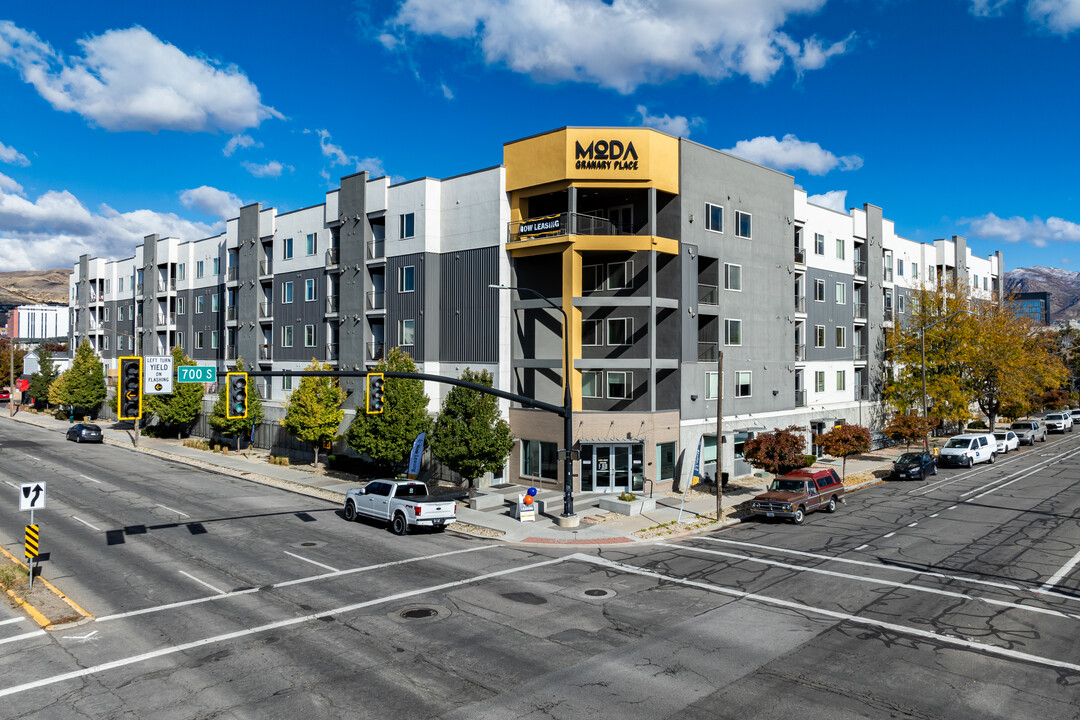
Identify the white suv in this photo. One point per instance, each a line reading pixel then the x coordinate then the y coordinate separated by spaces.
pixel 1058 422
pixel 966 450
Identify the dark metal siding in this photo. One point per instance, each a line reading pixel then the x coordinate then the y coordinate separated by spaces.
pixel 468 309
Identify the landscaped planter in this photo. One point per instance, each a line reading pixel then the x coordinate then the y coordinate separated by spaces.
pixel 627 507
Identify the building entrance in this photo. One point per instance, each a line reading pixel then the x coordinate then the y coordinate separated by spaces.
pixel 612 468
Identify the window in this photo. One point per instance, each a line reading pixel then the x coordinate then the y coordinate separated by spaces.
pixel 309 290
pixel 200 268
pixel 841 293
pixel 180 339
pixel 105 342
pixel 732 332
pixel 286 336
pixel 819 336
pixel 108 286
pixel 217 266
pixel 286 249
pixel 915 271
pixel 407 332
pixel 286 292
pixel 312 244
pixel 841 336
pixel 840 249
pixel 900 303
pixel 819 291
pixel 286 383
pixel 120 343
pixel 179 272
pixel 119 313
pixel 309 336
pixel 540 459
pixel 179 306
pixel 619 275
pixel 899 267
pixel 665 461
pixel 590 383
pixel 200 304
pixel 592 278
pixel 976 283
pixel 214 302
pixel 105 314
pixel 732 277
pixel 742 224
pixel 213 339
pixel 119 283
pixel 406 279
pixel 590 332
pixel 618 385
pixel 986 284
pixel 406 225
pixel 714 217
pixel 819 244
pixel 619 331
pixel 819 381
pixel 743 383
pixel 841 379
pixel 199 340
pixel 712 385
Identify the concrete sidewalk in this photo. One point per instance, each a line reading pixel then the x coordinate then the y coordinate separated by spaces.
pixel 674 514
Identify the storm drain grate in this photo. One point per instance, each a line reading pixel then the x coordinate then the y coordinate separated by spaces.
pixel 418 613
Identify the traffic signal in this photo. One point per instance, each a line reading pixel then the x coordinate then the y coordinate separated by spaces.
pixel 238 407
pixel 376 395
pixel 129 394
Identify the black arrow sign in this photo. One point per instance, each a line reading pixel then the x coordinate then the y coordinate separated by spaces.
pixel 37 493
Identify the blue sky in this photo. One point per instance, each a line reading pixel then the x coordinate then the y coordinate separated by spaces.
pixel 121 119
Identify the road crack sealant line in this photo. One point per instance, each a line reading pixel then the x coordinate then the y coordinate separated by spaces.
pixel 34 613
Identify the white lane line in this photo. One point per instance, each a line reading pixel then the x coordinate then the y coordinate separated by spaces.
pixel 134 659
pixel 85 523
pixel 864 578
pixel 935 514
pixel 90 479
pixel 862 546
pixel 845 617
pixel 172 511
pixel 313 578
pixel 1065 570
pixel 319 564
pixel 11 484
pixel 32 457
pixel 912 524
pixel 219 591
pixel 12 620
pixel 889 535
pixel 15 638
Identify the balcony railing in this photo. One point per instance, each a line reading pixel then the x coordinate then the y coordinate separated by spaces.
pixel 232 273
pixel 800 304
pixel 230 312
pixel 266 267
pixel 266 352
pixel 862 392
pixel 376 249
pixel 375 351
pixel 860 268
pixel 332 256
pixel 887 274
pixel 800 351
pixel 266 310
pixel 331 304
pixel 376 300
pixel 860 311
pixel 563 224
pixel 861 353
pixel 230 352
pixel 708 351
pixel 708 294
pixel 139 289
pixel 800 398
pixel 800 256
pixel 887 315
pixel 331 351
pixel 165 319
pixel 263 388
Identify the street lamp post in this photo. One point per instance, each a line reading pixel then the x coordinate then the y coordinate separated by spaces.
pixel 568 408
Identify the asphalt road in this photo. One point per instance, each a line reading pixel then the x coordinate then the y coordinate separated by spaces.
pixel 957 597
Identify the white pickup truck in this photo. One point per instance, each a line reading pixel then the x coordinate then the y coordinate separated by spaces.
pixel 401 503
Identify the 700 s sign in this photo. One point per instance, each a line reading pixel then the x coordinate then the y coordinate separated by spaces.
pixel 196 374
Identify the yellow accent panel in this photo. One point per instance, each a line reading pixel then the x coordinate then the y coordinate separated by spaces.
pixel 582 243
pixel 595 155
pixel 572 288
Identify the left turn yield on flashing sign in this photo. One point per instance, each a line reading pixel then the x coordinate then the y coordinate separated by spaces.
pixel 32 496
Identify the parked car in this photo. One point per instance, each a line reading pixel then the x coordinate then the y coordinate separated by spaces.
pixel 1058 422
pixel 1006 441
pixel 401 503
pixel 85 432
pixel 5 395
pixel 1028 431
pixel 915 466
pixel 800 492
pixel 1075 414
pixel 967 450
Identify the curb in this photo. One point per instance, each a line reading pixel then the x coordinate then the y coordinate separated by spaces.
pixel 38 617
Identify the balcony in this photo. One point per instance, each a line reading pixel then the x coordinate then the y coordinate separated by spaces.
pixel 332 305
pixel 375 351
pixel 800 256
pixel 708 351
pixel 376 300
pixel 860 311
pixel 800 398
pixel 887 315
pixel 231 274
pixel 800 305
pixel 165 319
pixel 230 352
pixel 266 310
pixel 800 352
pixel 887 274
pixel 860 268
pixel 861 353
pixel 376 249
pixel 266 353
pixel 332 257
pixel 263 388
pixel 562 224
pixel 708 294
pixel 331 352
pixel 230 312
pixel 139 289
pixel 266 267
pixel 862 392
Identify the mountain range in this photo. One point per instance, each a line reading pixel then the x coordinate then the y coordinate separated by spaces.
pixel 33 287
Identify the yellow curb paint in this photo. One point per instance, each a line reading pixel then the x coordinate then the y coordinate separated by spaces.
pixel 38 617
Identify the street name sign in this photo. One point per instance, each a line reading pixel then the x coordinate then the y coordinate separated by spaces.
pixel 32 496
pixel 196 374
pixel 157 375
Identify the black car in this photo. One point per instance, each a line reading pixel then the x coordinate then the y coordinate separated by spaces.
pixel 914 466
pixel 85 432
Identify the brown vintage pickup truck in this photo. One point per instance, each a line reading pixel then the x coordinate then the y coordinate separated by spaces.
pixel 800 492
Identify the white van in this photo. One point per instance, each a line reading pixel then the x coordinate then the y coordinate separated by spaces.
pixel 966 450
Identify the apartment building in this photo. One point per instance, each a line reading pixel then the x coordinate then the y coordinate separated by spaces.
pixel 37 322
pixel 663 254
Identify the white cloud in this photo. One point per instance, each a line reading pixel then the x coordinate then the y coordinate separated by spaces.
pixel 833 200
pixel 679 125
pixel 988 8
pixel 791 153
pixel 622 44
pixel 9 185
pixel 239 141
pixel 270 169
pixel 337 156
pixel 131 80
pixel 1057 16
pixel 446 91
pixel 11 156
pixel 53 230
pixel 1036 231
pixel 212 201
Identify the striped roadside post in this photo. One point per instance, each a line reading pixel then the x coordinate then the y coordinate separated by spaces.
pixel 30 541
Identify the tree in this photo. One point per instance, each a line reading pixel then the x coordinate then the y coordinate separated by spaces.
pixel 470 436
pixel 313 411
pixel 845 440
pixel 5 362
pixel 83 385
pixel 388 436
pixel 777 452
pixel 42 380
pixel 182 406
pixel 236 427
pixel 908 428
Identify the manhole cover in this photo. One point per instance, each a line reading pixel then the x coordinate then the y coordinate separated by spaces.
pixel 418 613
pixel 309 544
pixel 595 593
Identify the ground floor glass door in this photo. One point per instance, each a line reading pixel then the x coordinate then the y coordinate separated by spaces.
pixel 612 468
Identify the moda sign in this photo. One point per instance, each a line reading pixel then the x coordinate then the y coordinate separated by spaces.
pixel 605 155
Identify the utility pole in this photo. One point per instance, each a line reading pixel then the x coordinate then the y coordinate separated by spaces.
pixel 11 378
pixel 135 332
pixel 720 438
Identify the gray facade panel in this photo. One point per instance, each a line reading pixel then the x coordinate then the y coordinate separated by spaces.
pixel 248 290
pixel 402 305
pixel 830 314
pixel 298 314
pixel 468 328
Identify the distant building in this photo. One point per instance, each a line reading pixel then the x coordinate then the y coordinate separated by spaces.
pixel 38 322
pixel 1034 305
